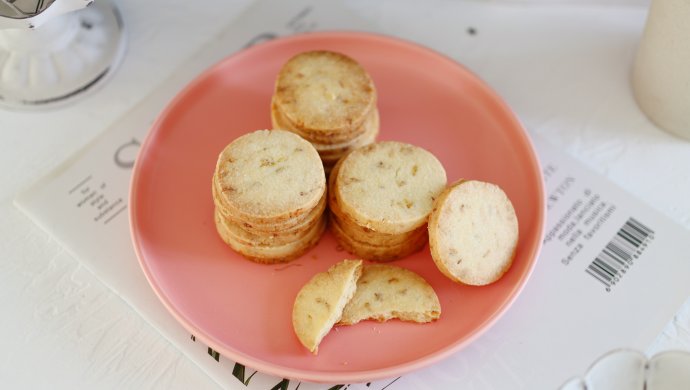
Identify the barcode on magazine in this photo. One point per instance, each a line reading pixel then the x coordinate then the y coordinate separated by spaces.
pixel 620 253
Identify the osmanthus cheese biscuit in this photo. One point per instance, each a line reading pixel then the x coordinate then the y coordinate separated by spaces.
pixel 320 302
pixel 324 94
pixel 473 232
pixel 389 186
pixel 385 292
pixel 269 176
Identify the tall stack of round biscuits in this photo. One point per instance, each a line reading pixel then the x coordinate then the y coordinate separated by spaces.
pixel 269 190
pixel 328 99
pixel 380 197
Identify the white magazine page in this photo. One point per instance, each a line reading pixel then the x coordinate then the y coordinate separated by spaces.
pixel 606 258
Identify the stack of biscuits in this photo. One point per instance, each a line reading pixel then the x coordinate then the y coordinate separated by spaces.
pixel 269 191
pixel 328 99
pixel 380 198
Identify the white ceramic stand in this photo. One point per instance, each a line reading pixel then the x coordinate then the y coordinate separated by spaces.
pixel 60 59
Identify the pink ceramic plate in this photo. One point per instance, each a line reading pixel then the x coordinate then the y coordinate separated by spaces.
pixel 243 309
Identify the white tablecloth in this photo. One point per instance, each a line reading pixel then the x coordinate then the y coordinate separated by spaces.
pixel 61 328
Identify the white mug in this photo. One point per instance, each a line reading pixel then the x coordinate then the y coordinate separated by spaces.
pixel 661 72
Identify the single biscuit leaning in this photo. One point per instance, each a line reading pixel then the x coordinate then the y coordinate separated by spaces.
pixel 324 92
pixel 320 302
pixel 269 177
pixel 473 232
pixel 385 292
pixel 389 186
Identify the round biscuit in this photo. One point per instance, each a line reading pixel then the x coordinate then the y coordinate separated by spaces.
pixel 324 91
pixel 389 186
pixel 269 176
pixel 473 232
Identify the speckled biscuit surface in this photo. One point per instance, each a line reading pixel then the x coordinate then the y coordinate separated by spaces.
pixel 364 234
pixel 473 232
pixel 324 91
pixel 268 176
pixel 385 292
pixel 389 186
pixel 320 302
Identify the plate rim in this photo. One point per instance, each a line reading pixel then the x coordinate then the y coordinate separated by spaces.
pixel 324 376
